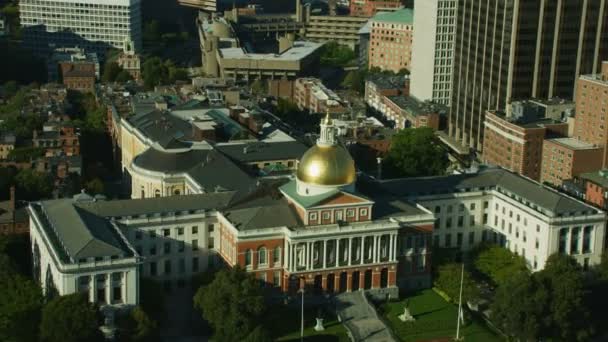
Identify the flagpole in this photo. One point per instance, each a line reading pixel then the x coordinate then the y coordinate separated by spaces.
pixel 460 304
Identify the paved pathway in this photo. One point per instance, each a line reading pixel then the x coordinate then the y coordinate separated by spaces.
pixel 361 318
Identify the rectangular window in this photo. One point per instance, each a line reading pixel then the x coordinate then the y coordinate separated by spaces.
pixel 181 265
pixel 350 213
pixel 437 223
pixel 472 220
pixel 153 268
pixel 167 248
pixel 471 238
pixel 152 234
pixel 153 250
pixel 449 209
pixel 210 244
pixel 485 204
pixel 459 239
pixel 574 240
pixel 448 240
pixel 563 238
pixel 181 246
pixel 437 209
pixel 587 239
pixel 211 228
pixel 448 222
pixel 472 206
pixel 194 230
pixel 485 218
pixel 276 279
pixel 195 264
pixel 195 245
pixel 166 232
pixel 180 230
pixel 326 215
pixel 167 266
pixel 460 221
pixel 461 207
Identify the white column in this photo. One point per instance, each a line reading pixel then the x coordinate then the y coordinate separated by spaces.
pixel 123 287
pixel 375 249
pixel 109 288
pixel 350 247
pixel 286 256
pixel 337 254
pixel 390 247
pixel 324 253
pixel 92 289
pixel 396 247
pixel 362 254
pixel 568 241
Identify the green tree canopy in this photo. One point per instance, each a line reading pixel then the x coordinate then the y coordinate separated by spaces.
pixel 337 55
pixel 520 307
pixel 355 81
pixel 569 316
pixel 499 264
pixel 70 319
pixel 123 77
pixel 26 154
pixel 110 71
pixel 33 185
pixel 20 305
pixel 232 304
pixel 415 152
pixel 448 281
pixel 138 326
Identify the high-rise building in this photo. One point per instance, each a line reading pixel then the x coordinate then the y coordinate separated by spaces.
pixel 432 50
pixel 390 46
pixel 511 49
pixel 592 110
pixel 90 24
pixel 369 8
pixel 203 5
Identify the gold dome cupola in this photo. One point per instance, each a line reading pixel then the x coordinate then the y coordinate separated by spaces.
pixel 325 166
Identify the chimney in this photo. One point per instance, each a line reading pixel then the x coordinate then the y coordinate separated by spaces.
pixel 12 201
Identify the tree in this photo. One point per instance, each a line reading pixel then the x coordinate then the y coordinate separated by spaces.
pixel 232 304
pixel 154 72
pixel 138 326
pixel 95 186
pixel 20 305
pixel 111 71
pixel 499 264
pixel 448 281
pixel 152 299
pixel 258 87
pixel 415 152
pixel 520 306
pixel 26 154
pixel 355 81
pixel 123 77
pixel 569 316
pixel 34 185
pixel 70 319
pixel 336 55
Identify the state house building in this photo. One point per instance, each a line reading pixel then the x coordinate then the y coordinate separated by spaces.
pixel 322 229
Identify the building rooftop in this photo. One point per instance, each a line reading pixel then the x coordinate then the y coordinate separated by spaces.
pixel 402 16
pixel 417 107
pixel 262 151
pixel 598 177
pixel 299 51
pixel 525 190
pixel 573 144
pixel 382 81
pixel 526 122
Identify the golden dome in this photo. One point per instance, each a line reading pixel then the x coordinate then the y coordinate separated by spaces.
pixel 327 165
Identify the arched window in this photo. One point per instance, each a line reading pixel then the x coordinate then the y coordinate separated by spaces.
pixel 176 192
pixel 276 255
pixel 143 192
pixel 262 256
pixel 156 193
pixel 248 254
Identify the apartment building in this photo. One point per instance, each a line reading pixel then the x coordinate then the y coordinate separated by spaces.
pixel 565 158
pixel 516 142
pixel 94 25
pixel 433 50
pixel 312 95
pixel 369 8
pixel 390 46
pixel 512 50
pixel 592 110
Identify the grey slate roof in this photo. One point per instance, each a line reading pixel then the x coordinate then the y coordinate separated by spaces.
pixel 526 189
pixel 162 127
pixel 77 233
pixel 171 204
pixel 262 151
pixel 262 209
pixel 210 169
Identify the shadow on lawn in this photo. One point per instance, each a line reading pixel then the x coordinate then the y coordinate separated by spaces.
pixel 316 338
pixel 417 316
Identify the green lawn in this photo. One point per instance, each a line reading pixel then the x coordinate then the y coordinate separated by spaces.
pixel 435 319
pixel 284 325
